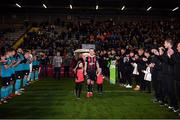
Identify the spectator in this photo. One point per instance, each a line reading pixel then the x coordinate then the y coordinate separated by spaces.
pixel 57 61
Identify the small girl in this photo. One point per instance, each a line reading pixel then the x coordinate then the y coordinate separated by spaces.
pixel 99 81
pixel 79 73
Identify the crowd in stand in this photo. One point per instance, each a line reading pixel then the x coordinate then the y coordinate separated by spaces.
pixel 147 54
pixel 105 35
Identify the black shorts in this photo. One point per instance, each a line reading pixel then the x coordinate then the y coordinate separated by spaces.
pixel 5 81
pixel 26 72
pixel 79 83
pixel 13 77
pixel 35 67
pixel 19 74
pixel 91 75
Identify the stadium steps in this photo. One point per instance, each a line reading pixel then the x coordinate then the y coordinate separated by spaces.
pixel 12 37
pixel 20 40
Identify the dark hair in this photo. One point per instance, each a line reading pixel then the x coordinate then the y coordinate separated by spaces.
pixel 141 49
pixel 162 48
pixel 169 40
pixel 177 43
pixel 147 51
pixel 92 49
pixel 131 51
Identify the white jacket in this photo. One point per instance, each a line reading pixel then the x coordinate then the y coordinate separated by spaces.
pixel 148 75
pixel 135 71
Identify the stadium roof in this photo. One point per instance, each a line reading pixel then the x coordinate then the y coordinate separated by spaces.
pixel 129 6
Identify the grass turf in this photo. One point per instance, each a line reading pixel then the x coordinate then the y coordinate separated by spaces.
pixel 51 98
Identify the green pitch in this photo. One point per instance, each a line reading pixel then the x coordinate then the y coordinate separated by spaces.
pixel 51 98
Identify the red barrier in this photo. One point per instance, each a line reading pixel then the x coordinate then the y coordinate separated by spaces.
pixel 51 71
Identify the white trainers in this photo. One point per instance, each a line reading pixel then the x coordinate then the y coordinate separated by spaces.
pixel 170 107
pixel 22 89
pixel 125 85
pixel 175 110
pixel 17 93
pixel 128 86
pixel 4 101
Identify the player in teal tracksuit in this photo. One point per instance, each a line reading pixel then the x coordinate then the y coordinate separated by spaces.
pixel 26 69
pixel 12 72
pixel 13 77
pixel 35 66
pixel 19 71
pixel 6 76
